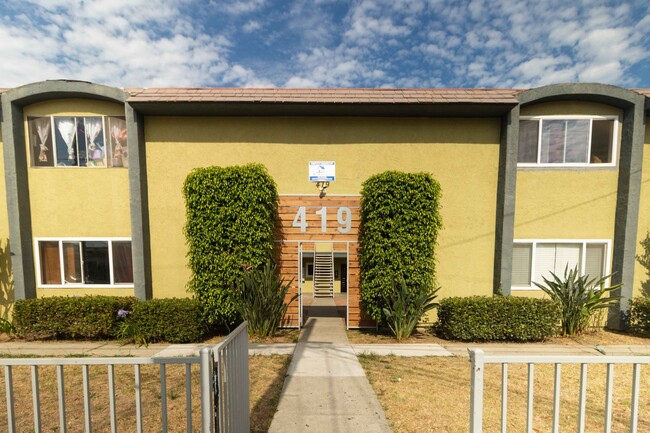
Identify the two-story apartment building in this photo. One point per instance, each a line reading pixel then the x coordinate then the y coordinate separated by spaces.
pixel 532 180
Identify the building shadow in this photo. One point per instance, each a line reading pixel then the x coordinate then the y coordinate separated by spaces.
pixel 6 281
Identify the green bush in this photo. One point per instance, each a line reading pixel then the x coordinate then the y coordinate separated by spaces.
pixel 262 299
pixel 400 221
pixel 231 214
pixel 640 315
pixel 500 318
pixel 172 320
pixel 404 308
pixel 579 297
pixel 62 317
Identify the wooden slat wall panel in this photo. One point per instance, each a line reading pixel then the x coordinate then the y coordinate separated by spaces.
pixel 289 237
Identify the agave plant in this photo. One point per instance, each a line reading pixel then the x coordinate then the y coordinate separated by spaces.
pixel 262 296
pixel 404 308
pixel 579 297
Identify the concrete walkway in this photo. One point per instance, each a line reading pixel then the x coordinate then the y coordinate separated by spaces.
pixel 326 389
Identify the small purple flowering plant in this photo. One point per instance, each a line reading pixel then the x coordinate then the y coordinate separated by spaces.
pixel 128 330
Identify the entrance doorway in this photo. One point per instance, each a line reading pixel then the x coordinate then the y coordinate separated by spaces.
pixel 323 279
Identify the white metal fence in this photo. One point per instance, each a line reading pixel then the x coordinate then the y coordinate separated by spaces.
pixel 479 360
pixel 224 391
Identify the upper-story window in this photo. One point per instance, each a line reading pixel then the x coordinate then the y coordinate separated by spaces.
pixel 77 141
pixel 568 141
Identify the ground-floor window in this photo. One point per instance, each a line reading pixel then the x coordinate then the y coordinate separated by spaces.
pixel 84 262
pixel 532 260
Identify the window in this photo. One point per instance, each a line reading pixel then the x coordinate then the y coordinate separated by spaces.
pixel 534 260
pixel 579 141
pixel 84 262
pixel 77 141
pixel 309 270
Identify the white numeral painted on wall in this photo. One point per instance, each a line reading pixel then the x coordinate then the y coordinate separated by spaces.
pixel 323 218
pixel 300 220
pixel 344 218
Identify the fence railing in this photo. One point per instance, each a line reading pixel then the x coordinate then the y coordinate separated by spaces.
pixel 227 361
pixel 479 360
pixel 231 363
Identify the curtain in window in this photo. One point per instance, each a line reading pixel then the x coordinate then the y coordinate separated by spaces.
pixel 122 262
pixel 594 261
pixel 50 263
pixel 95 149
pixel 72 262
pixel 554 258
pixel 522 255
pixel 66 127
pixel 43 130
pixel 552 146
pixel 577 141
pixel 118 142
pixel 528 138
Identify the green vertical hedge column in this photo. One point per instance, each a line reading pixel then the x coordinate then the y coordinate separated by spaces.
pixel 400 221
pixel 231 215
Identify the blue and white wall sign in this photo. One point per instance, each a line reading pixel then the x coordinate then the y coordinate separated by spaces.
pixel 322 171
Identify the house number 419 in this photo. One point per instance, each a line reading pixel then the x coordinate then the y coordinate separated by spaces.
pixel 343 217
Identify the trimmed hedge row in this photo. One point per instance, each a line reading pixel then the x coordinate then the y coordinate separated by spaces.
pixel 499 318
pixel 172 320
pixel 640 315
pixel 96 318
pixel 62 317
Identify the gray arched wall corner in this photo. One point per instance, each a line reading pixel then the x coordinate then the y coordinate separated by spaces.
pixel 633 106
pixel 16 164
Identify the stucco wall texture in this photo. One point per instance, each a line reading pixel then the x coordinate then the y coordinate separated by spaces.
pixel 360 147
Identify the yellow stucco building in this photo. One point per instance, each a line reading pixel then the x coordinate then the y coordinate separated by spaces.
pixel 532 181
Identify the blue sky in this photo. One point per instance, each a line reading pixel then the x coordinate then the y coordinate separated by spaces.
pixel 326 43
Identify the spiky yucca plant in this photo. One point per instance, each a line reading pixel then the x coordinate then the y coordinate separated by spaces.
pixel 579 297
pixel 403 309
pixel 262 299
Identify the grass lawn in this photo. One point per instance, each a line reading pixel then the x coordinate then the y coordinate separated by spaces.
pixel 431 394
pixel 267 375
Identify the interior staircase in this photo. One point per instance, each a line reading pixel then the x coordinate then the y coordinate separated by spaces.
pixel 324 274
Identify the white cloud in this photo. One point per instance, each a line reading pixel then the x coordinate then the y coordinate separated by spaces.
pixel 310 43
pixel 252 26
pixel 239 7
pixel 134 43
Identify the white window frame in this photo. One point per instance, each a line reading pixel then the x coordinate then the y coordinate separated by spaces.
pixel 583 260
pixel 105 135
pixel 112 285
pixel 615 142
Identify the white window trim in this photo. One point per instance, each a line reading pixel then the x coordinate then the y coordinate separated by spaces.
pixel 584 242
pixel 60 240
pixel 106 137
pixel 615 141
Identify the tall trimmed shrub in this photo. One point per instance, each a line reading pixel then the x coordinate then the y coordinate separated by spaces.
pixel 400 221
pixel 499 318
pixel 230 224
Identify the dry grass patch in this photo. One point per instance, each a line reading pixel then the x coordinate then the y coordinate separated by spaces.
pixel 266 379
pixel 267 374
pixel 432 395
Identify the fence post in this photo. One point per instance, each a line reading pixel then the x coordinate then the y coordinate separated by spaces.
pixel 206 391
pixel 476 391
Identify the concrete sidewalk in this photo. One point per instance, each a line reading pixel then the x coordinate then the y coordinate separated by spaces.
pixel 112 348
pixel 326 389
